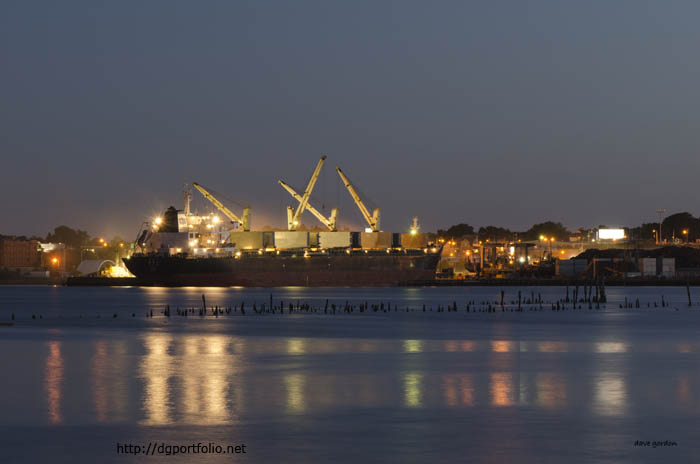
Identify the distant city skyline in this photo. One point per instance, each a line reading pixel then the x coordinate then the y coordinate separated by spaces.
pixel 508 113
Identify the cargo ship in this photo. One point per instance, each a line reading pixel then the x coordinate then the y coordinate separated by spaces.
pixel 181 248
pixel 288 268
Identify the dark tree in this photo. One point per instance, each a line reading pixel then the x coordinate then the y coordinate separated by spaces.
pixel 675 224
pixel 548 229
pixel 68 236
pixel 495 234
pixel 456 231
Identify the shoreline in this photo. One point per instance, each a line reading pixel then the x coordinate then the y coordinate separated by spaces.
pixel 134 282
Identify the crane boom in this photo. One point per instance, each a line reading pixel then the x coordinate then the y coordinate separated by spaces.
pixel 328 222
pixel 294 222
pixel 245 222
pixel 373 220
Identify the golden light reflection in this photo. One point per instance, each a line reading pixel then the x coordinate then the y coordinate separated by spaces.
pixel 157 367
pixel 412 346
pixel 552 347
pixel 684 348
pixel 611 347
pixel 412 386
pixel 610 394
pixel 205 370
pixel 502 346
pixel 468 346
pixel 502 393
pixel 551 389
pixel 100 370
pixel 459 389
pixel 296 346
pixel 451 346
pixel 54 381
pixel 294 384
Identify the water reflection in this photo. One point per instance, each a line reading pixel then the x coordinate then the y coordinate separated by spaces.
pixel 54 381
pixel 611 347
pixel 100 371
pixel 684 390
pixel 296 346
pixel 684 348
pixel 551 389
pixel 552 347
pixel 502 346
pixel 157 368
pixel 205 372
pixel 294 384
pixel 191 380
pixel 412 346
pixel 459 389
pixel 610 394
pixel 501 391
pixel 413 389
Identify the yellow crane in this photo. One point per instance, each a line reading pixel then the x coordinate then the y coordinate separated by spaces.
pixel 294 217
pixel 330 222
pixel 373 220
pixel 244 222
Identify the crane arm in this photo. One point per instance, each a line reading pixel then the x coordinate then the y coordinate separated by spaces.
pixel 303 202
pixel 371 220
pixel 220 206
pixel 330 223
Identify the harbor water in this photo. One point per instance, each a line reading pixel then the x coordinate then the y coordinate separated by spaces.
pixel 414 377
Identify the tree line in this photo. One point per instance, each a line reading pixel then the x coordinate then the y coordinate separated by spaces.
pixel 682 226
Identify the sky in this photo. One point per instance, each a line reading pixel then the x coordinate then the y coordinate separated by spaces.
pixel 486 112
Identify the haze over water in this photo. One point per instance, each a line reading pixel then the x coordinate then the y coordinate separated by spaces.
pixel 534 387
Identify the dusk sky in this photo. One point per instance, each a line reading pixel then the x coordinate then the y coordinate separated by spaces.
pixel 495 112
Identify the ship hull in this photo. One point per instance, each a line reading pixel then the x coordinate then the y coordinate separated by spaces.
pixel 270 270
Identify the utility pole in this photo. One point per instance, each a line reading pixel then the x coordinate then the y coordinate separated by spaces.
pixel 660 212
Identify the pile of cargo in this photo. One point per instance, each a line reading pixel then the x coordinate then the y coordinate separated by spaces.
pixel 283 240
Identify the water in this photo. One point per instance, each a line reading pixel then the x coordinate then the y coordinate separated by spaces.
pixel 532 386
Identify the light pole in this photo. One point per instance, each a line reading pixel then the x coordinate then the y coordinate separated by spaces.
pixel 660 212
pixel 685 232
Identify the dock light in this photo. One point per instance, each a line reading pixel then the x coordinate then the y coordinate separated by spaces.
pixel 104 244
pixel 101 240
pixel 158 220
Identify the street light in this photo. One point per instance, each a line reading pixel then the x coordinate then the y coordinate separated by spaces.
pixel 685 232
